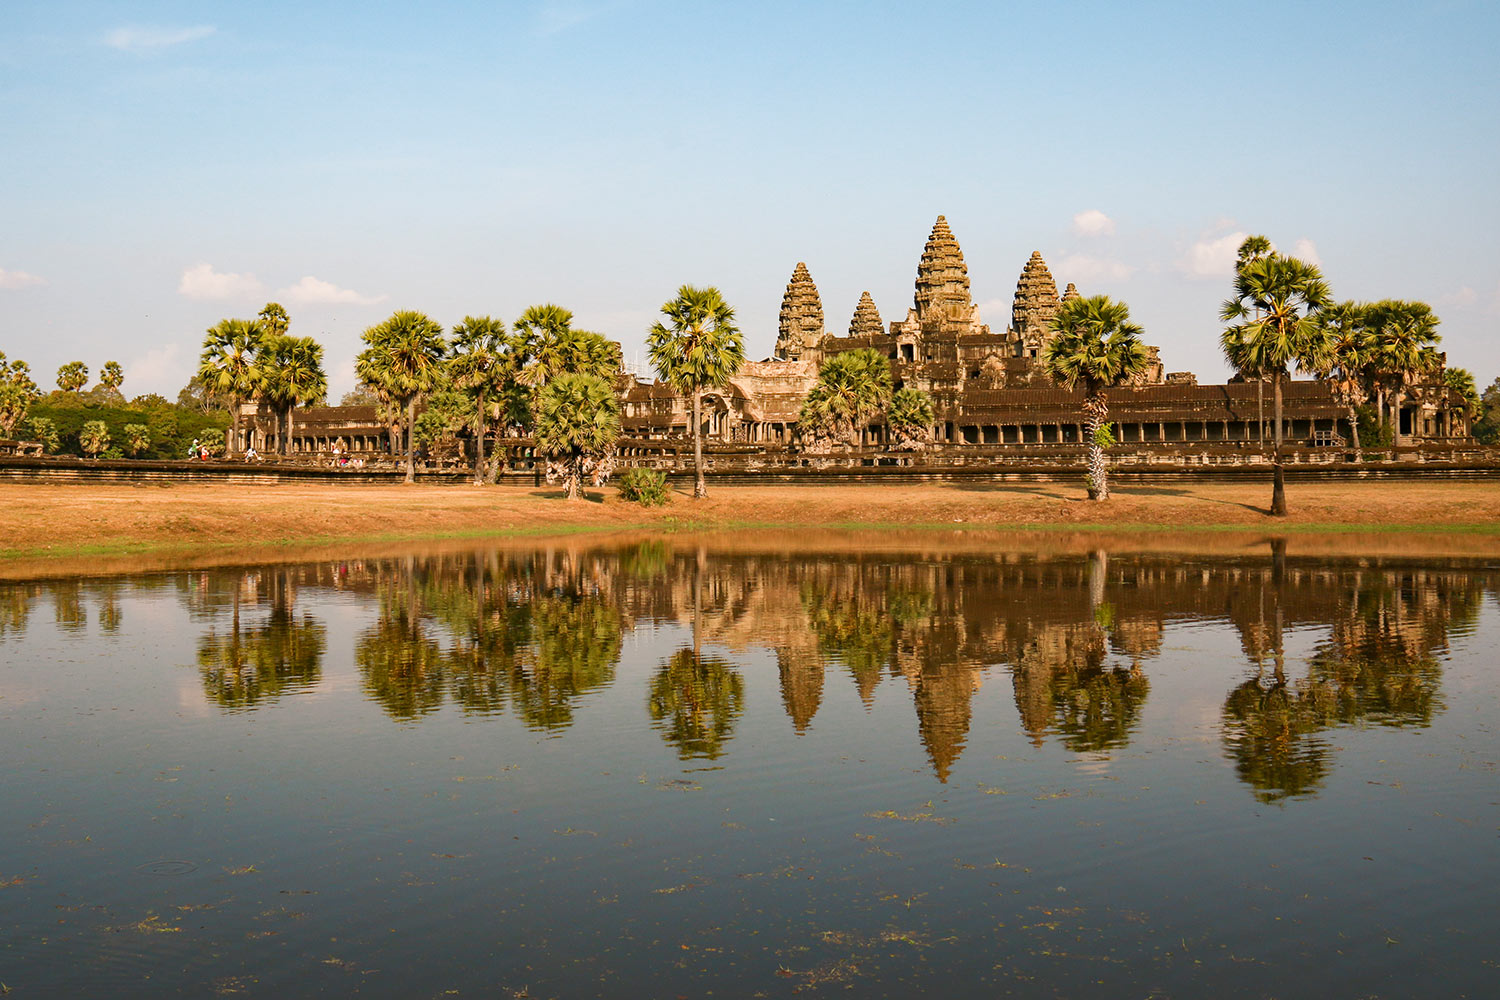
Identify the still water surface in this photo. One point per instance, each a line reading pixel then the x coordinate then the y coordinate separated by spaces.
pixel 666 770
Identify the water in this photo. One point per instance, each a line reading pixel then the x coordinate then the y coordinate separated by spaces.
pixel 667 769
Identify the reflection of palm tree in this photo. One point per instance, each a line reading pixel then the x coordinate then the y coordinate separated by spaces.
pixel 15 607
pixel 251 666
pixel 402 665
pixel 577 647
pixel 694 700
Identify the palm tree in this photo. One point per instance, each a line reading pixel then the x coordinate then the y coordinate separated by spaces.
pixel 274 319
pixel 1404 335
pixel 1094 346
pixel 1252 249
pixel 852 387
pixel 111 376
pixel 292 375
pixel 230 368
pixel 909 419
pixel 94 437
pixel 404 359
pixel 17 391
pixel 577 425
pixel 1274 317
pixel 1345 362
pixel 72 376
pixel 137 438
pixel 699 347
pixel 478 369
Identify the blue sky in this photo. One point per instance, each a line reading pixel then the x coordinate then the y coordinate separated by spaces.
pixel 165 165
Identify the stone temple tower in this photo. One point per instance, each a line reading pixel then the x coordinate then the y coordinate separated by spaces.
pixel 866 319
pixel 800 336
pixel 1035 304
pixel 942 294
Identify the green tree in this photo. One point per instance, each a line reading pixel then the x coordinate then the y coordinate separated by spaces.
pixel 111 376
pixel 94 437
pixel 479 368
pixel 577 425
pixel 852 388
pixel 404 360
pixel 274 319
pixel 1273 324
pixel 197 396
pixel 1345 361
pixel 229 368
pixel 1487 427
pixel 291 375
pixel 44 430
pixel 137 439
pixel 1404 336
pixel 1095 348
pixel 73 376
pixel 17 393
pixel 909 418
pixel 699 347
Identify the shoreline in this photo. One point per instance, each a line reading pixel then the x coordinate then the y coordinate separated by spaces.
pixel 54 530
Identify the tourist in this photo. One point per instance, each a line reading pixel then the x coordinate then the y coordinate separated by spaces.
pixel 193 451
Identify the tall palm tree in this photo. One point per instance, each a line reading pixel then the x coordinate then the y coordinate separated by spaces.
pixel 229 368
pixel 274 319
pixel 577 425
pixel 909 419
pixel 1346 360
pixel 111 376
pixel 1096 347
pixel 72 376
pixel 1404 336
pixel 478 368
pixel 699 347
pixel 1274 323
pixel 1255 248
pixel 852 388
pixel 405 360
pixel 291 375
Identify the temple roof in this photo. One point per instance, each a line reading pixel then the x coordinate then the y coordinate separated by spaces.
pixel 942 277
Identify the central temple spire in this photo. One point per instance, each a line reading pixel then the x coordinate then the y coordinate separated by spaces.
pixel 800 331
pixel 942 278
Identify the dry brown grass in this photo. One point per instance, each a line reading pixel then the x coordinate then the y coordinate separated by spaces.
pixel 191 522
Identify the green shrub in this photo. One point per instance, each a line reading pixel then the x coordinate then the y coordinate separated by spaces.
pixel 647 487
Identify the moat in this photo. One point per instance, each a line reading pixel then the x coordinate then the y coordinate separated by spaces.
pixel 663 768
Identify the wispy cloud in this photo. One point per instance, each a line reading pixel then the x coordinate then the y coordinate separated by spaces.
pixel 141 38
pixel 315 291
pixel 163 365
pixel 19 279
pixel 1212 256
pixel 1077 267
pixel 201 281
pixel 1306 250
pixel 556 16
pixel 1093 223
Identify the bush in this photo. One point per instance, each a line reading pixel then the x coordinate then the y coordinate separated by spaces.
pixel 647 487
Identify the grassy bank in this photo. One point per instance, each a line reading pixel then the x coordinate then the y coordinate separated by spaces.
pixel 193 522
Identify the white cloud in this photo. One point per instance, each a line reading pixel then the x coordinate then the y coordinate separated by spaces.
pixel 19 279
pixel 1212 257
pixel 994 311
pixel 135 38
pixel 1463 297
pixel 314 291
pixel 1306 250
pixel 1093 223
pixel 1078 267
pixel 202 282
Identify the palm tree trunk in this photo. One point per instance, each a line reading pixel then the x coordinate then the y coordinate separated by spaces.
pixel 700 485
pixel 286 435
pixel 1094 411
pixel 1260 411
pixel 234 428
pixel 1359 455
pixel 411 440
pixel 479 445
pixel 1397 398
pixel 575 475
pixel 1278 475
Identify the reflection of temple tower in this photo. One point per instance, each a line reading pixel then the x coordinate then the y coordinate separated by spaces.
pixel 942 699
pixel 1055 650
pixel 801 686
pixel 801 328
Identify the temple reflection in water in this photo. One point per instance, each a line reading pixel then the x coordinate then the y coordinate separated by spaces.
pixel 533 634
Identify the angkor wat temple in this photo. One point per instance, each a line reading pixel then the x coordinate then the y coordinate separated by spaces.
pixel 993 401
